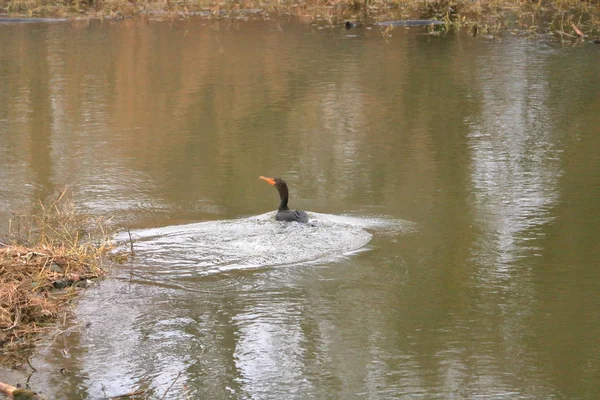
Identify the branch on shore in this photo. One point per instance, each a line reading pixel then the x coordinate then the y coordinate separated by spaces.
pixel 17 393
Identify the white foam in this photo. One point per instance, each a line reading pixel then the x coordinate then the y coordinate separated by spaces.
pixel 253 242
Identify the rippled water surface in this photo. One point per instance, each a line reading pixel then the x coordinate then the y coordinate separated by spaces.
pixel 255 242
pixel 452 185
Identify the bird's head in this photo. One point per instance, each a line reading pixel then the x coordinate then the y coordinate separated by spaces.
pixel 277 182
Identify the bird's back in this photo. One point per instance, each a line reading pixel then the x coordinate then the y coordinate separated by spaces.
pixel 292 216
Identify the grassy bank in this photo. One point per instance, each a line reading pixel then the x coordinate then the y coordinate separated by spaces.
pixel 533 15
pixel 44 258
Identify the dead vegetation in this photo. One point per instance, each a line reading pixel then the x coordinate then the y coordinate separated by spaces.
pixel 489 15
pixel 44 257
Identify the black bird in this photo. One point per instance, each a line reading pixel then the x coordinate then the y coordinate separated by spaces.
pixel 283 212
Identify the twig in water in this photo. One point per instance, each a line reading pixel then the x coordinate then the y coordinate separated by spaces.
pixel 169 388
pixel 30 366
pixel 577 30
pixel 130 241
pixel 561 33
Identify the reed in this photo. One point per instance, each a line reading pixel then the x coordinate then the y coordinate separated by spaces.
pixel 44 258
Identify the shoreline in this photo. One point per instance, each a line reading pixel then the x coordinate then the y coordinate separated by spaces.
pixel 46 258
pixel 567 19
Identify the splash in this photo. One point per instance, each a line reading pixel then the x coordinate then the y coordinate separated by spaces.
pixel 253 242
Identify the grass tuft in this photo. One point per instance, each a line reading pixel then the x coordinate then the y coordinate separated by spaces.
pixel 44 258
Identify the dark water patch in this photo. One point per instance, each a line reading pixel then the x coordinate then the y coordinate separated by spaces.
pixel 6 21
pixel 411 22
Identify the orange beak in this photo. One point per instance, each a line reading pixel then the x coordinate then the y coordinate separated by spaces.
pixel 270 181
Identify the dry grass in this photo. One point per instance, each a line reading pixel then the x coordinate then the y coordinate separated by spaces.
pixel 356 7
pixel 44 258
pixel 487 15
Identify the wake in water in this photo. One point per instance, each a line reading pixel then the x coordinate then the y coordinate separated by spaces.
pixel 254 242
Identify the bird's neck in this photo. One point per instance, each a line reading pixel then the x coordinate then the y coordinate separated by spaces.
pixel 283 195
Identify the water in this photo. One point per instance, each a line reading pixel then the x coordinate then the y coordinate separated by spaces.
pixel 453 183
pixel 255 242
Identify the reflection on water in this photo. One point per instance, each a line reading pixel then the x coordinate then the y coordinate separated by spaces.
pixel 516 163
pixel 489 149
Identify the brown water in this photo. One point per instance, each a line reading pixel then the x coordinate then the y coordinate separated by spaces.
pixel 454 183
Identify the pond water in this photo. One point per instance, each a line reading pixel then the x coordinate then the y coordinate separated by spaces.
pixel 452 182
